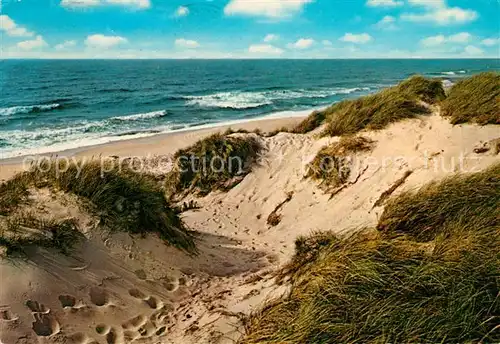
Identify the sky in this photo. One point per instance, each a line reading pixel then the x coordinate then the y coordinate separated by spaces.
pixel 249 29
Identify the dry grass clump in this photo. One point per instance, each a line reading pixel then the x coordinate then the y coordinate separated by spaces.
pixel 469 202
pixel 217 162
pixel 123 199
pixel 23 230
pixel 378 110
pixel 332 164
pixel 312 121
pixel 428 90
pixel 385 287
pixel 13 193
pixel 474 100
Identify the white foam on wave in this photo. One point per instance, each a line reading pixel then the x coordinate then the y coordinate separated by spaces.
pixel 141 116
pixel 247 100
pixel 58 140
pixel 454 73
pixel 14 110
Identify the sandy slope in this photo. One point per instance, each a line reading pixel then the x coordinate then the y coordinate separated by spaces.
pixel 141 291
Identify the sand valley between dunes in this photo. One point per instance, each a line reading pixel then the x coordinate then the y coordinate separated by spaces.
pixel 116 288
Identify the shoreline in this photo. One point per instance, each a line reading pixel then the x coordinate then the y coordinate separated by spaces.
pixel 156 144
pixel 152 132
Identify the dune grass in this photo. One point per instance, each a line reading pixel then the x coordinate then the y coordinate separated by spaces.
pixel 469 202
pixel 312 121
pixel 13 193
pixel 474 100
pixel 393 286
pixel 376 111
pixel 123 199
pixel 19 232
pixel 218 162
pixel 332 164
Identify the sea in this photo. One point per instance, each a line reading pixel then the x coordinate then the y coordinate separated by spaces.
pixel 53 105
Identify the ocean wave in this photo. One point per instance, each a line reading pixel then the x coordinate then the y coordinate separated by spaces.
pixel 14 110
pixel 454 72
pixel 246 100
pixel 140 116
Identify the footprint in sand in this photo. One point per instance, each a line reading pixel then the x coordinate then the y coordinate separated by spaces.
pixel 147 330
pixel 160 317
pixel 99 296
pixel 135 323
pixel 45 325
pixel 141 274
pixel 113 337
pixel 154 303
pixel 102 329
pixel 161 331
pixel 67 301
pixel 136 293
pixel 37 307
pixel 7 316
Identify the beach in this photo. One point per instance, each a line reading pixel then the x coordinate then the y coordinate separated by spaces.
pixel 101 253
pixel 160 144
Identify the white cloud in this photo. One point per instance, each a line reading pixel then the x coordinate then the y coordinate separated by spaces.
pixel 182 11
pixel 442 16
pixel 186 43
pixel 428 3
pixel 80 3
pixel 387 23
pixel 432 41
pixel 271 37
pixel 138 4
pixel 326 43
pixel 384 3
pixel 65 45
pixel 104 42
pixel 12 29
pixel 264 49
pixel 490 42
pixel 462 37
pixel 472 50
pixel 358 39
pixel 302 43
pixel 33 44
pixel 268 8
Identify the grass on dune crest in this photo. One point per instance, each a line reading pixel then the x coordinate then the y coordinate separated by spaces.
pixel 332 164
pixel 123 199
pixel 312 121
pixel 217 162
pixel 468 202
pixel 13 193
pixel 474 100
pixel 24 230
pixel 378 110
pixel 388 286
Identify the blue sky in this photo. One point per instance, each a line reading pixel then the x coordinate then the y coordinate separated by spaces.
pixel 249 28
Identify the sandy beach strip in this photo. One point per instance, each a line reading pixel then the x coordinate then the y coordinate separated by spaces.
pixel 161 144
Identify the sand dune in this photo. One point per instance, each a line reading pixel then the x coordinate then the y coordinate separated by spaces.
pixel 116 288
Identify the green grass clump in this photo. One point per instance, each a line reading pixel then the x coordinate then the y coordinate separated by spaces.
pixel 123 199
pixel 13 193
pixel 391 287
pixel 332 164
pixel 217 162
pixel 428 90
pixel 474 100
pixel 21 231
pixel 312 121
pixel 378 110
